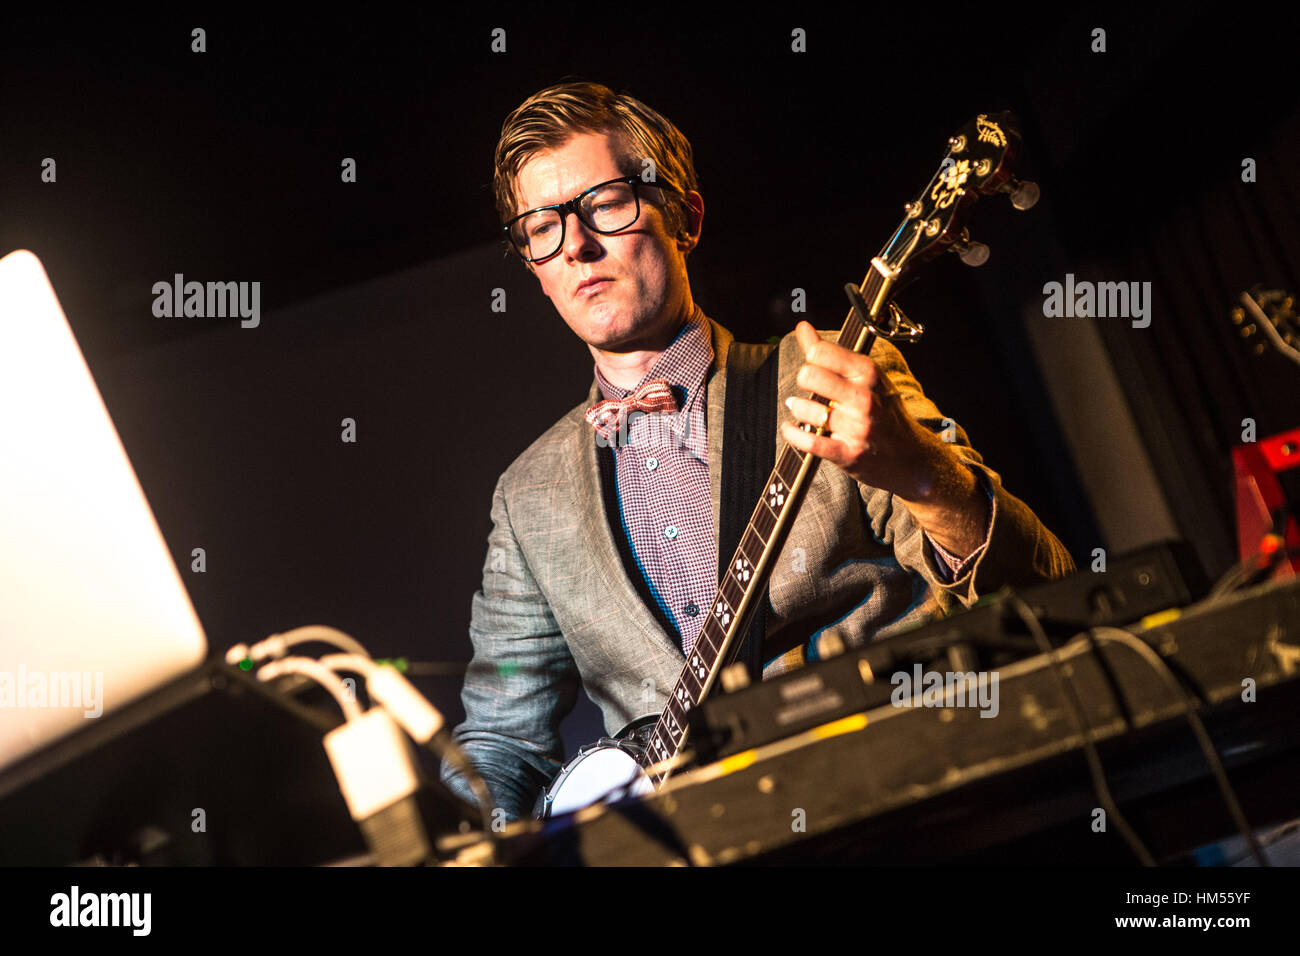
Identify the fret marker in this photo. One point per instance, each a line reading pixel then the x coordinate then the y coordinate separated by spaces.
pixel 742 570
pixel 722 613
pixel 776 495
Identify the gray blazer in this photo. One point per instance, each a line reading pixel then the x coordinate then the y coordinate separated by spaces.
pixel 557 609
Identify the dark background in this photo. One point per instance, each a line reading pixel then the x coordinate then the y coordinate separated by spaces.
pixel 225 166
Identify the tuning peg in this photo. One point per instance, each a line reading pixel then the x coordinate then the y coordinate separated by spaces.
pixel 972 253
pixel 1024 194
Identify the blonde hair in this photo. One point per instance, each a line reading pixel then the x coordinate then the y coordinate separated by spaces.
pixel 547 119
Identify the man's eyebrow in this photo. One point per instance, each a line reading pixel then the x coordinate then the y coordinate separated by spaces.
pixel 569 196
pixel 540 205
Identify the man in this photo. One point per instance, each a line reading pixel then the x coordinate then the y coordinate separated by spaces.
pixel 604 543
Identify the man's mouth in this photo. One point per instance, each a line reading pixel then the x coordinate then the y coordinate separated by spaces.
pixel 591 286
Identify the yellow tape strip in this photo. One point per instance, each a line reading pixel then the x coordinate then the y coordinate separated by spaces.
pixel 739 761
pixel 845 725
pixel 1159 618
pixel 736 762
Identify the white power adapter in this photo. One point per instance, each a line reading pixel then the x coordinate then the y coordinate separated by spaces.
pixel 373 763
pixel 400 698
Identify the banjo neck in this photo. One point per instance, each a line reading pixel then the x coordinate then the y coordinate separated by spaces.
pixel 750 567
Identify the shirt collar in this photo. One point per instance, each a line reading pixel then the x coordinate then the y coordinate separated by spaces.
pixel 683 364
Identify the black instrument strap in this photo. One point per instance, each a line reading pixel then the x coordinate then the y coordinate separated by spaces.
pixel 748 456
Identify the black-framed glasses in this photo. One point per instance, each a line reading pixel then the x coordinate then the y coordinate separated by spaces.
pixel 604 208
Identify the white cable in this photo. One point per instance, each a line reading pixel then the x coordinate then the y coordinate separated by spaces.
pixel 384 683
pixel 317 672
pixel 277 645
pixel 387 686
pixel 1266 324
pixel 350 662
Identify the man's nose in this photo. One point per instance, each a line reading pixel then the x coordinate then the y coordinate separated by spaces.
pixel 579 240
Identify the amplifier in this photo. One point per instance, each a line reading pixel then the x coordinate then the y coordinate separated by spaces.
pixel 982 638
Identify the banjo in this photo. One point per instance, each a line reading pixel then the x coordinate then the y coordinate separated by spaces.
pixel 642 756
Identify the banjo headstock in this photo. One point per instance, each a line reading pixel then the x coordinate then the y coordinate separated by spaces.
pixel 980 161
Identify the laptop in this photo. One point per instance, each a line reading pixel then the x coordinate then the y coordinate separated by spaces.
pixel 93 613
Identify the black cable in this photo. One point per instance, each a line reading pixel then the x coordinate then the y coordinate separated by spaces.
pixel 1211 753
pixel 1166 673
pixel 1285 830
pixel 445 747
pixel 1247 571
pixel 1095 769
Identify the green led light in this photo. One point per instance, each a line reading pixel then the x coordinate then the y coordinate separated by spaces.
pixel 246 664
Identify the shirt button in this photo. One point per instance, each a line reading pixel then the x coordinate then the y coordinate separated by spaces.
pixel 692 609
pixel 670 532
pixel 651 464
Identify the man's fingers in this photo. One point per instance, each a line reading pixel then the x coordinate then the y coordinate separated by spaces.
pixel 806 336
pixel 816 413
pixel 834 357
pixel 855 396
pixel 819 445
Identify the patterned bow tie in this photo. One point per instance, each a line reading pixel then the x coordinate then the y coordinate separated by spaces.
pixel 608 417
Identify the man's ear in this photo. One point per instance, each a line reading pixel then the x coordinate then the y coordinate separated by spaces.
pixel 689 237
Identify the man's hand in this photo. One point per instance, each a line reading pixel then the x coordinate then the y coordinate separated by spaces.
pixel 875 441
